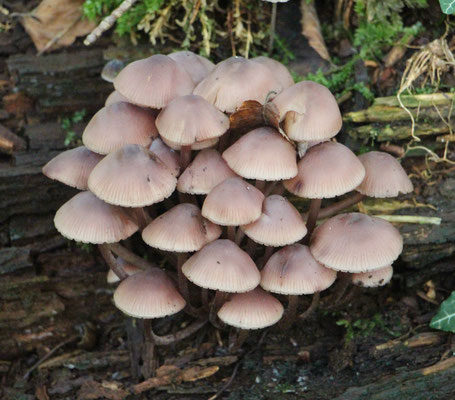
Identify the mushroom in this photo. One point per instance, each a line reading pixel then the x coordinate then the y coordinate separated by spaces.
pixel 205 144
pixel 255 309
pixel 236 80
pixel 72 167
pixel 279 71
pixel 327 170
pixel 293 271
pixel 197 67
pixel 115 97
pixel 231 203
pixel 154 81
pixel 376 278
pixel 207 170
pixel 188 120
pixel 111 69
pixel 167 155
pixel 182 229
pixel 119 124
pixel 224 267
pixel 130 269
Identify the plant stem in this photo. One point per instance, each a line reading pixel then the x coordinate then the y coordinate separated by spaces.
pixel 185 156
pixel 335 208
pixel 112 261
pixel 129 256
pixel 149 351
pixel 315 206
pixel 180 335
pixel 272 29
pixel 312 308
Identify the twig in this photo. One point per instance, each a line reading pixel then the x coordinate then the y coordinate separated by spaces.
pixel 59 35
pixel 411 219
pixel 107 22
pixel 129 256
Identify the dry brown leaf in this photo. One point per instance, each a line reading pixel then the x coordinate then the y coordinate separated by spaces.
pixel 311 28
pixel 54 17
pixel 93 390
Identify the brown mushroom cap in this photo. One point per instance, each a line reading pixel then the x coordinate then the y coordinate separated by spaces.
pixel 72 167
pixel 279 71
pixel 384 177
pixel 115 97
pixel 292 270
pixel 262 154
pixel 308 111
pixel 233 202
pixel 222 265
pixel 280 223
pixel 132 177
pixel 379 277
pixel 87 219
pixel 191 119
pixel 236 80
pixel 154 81
pixel 197 67
pixel 181 229
pixel 256 309
pixel 327 170
pixel 169 157
pixel 129 268
pixel 356 243
pixel 207 170
pixel 119 124
pixel 148 294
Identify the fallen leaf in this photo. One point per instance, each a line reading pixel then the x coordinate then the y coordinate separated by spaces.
pixel 312 28
pixel 51 18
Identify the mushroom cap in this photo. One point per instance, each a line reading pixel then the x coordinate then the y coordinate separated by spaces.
pixel 87 219
pixel 251 310
pixel 148 294
pixel 262 154
pixel 181 229
pixel 119 124
pixel 72 167
pixel 222 265
pixel 154 81
pixel 280 223
pixel 205 144
pixel 197 67
pixel 129 268
pixel 191 119
pixel 115 97
pixel 379 277
pixel 236 80
pixel 279 71
pixel 327 170
pixel 169 157
pixel 207 170
pixel 293 270
pixel 111 69
pixel 384 176
pixel 132 177
pixel 309 111
pixel 233 202
pixel 356 243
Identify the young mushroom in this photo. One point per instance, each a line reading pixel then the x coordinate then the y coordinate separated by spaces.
pixel 130 269
pixel 167 155
pixel 279 71
pixel 376 278
pixel 115 97
pixel 197 67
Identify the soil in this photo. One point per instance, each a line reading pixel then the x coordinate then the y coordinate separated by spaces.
pixel 374 345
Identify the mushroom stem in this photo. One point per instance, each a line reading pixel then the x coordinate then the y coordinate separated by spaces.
pixel 272 29
pixel 250 247
pixel 260 185
pixel 142 217
pixel 315 206
pixel 279 190
pixel 231 233
pixel 335 208
pixel 182 281
pixel 149 351
pixel 291 312
pixel 129 256
pixel 180 335
pixel 236 340
pixel 112 261
pixel 239 235
pixel 135 342
pixel 205 298
pixel 270 188
pixel 268 253
pixel 340 289
pixel 185 156
pixel 220 298
pixel 312 307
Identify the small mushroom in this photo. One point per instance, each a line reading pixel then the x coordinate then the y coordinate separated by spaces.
pixel 197 67
pixel 115 97
pixel 279 71
pixel 376 278
pixel 112 69
pixel 130 269
pixel 167 155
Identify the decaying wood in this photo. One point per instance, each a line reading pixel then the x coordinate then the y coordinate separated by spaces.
pixel 10 142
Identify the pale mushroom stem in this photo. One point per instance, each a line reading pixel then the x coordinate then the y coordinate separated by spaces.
pixel 218 301
pixel 272 29
pixel 291 312
pixel 112 261
pixel 180 335
pixel 312 307
pixel 315 206
pixel 182 281
pixel 335 208
pixel 149 351
pixel 129 256
pixel 185 156
pixel 231 233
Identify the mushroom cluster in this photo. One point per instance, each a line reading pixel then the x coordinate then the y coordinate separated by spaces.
pixel 196 156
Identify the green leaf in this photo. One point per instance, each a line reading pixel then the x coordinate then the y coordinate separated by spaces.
pixel 444 320
pixel 447 6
